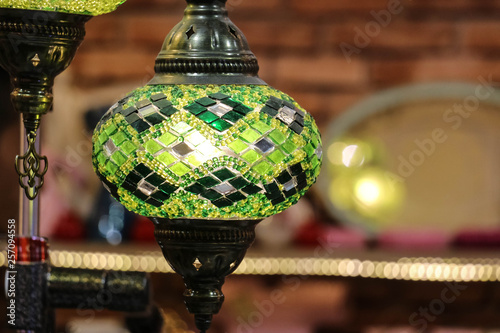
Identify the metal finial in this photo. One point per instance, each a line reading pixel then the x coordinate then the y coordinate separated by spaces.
pixel 206 48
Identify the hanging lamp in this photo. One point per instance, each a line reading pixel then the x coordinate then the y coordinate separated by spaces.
pixel 206 150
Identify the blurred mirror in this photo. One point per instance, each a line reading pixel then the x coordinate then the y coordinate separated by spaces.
pixel 416 159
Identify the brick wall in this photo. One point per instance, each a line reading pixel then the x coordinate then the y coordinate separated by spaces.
pixel 327 54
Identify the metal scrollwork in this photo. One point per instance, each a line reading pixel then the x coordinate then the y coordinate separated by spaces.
pixel 29 168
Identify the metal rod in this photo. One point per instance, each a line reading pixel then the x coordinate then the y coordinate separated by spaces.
pixel 29 210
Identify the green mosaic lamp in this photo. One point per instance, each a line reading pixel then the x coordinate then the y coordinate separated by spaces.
pixel 206 150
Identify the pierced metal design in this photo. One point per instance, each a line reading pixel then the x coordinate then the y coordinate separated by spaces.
pixel 29 167
pixel 233 31
pixel 190 32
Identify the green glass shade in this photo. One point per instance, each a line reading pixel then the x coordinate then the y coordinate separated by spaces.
pixel 207 151
pixel 82 7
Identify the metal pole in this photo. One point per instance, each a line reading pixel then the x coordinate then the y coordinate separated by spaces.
pixel 29 210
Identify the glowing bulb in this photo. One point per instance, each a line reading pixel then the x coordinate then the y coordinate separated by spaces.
pixel 368 191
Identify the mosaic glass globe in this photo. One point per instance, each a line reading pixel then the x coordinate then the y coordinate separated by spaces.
pixel 207 151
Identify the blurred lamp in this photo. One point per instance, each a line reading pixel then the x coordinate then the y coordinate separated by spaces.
pixel 206 150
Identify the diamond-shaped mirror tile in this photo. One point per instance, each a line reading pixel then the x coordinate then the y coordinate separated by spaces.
pixel 146 187
pixel 220 109
pixel 110 147
pixel 225 189
pixel 286 115
pixel 289 185
pixel 264 145
pixel 182 149
pixel 195 138
pixel 181 128
pixel 148 110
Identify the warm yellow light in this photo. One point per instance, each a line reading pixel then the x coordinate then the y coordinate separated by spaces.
pixel 368 191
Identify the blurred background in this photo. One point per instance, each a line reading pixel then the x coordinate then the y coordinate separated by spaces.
pixel 386 192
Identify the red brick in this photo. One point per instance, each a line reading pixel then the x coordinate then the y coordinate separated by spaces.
pixel 416 34
pixel 252 5
pixel 324 6
pixel 103 29
pixel 434 69
pixel 454 4
pixel 100 67
pixel 278 34
pixel 343 101
pixel 315 103
pixel 149 29
pixel 397 34
pixel 319 72
pixel 481 34
pixel 267 69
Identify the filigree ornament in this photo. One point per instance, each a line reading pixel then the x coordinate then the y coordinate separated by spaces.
pixel 30 170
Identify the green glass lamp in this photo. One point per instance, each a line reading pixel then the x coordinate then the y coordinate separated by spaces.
pixel 206 150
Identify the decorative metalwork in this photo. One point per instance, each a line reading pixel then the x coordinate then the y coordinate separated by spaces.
pixel 195 52
pixel 35 60
pixel 36 46
pixel 29 168
pixel 204 261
